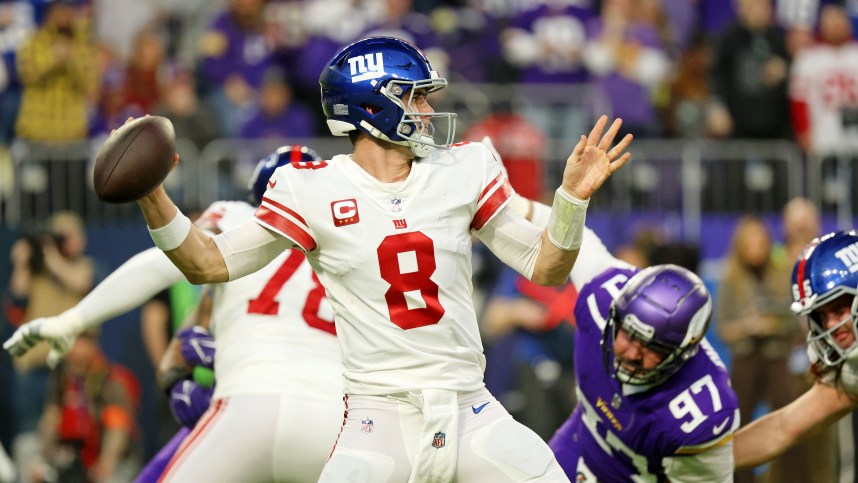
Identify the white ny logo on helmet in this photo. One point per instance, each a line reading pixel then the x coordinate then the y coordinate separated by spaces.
pixel 365 67
pixel 849 257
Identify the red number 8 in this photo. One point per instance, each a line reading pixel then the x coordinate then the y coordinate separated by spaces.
pixel 388 262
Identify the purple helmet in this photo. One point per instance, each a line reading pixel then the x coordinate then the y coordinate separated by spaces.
pixel 826 270
pixel 266 166
pixel 369 85
pixel 667 309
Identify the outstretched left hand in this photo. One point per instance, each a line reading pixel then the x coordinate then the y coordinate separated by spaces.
pixel 592 162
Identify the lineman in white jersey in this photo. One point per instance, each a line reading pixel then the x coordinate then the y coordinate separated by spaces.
pixel 387 229
pixel 277 406
pixel 825 289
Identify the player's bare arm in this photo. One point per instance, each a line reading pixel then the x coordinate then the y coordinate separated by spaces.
pixel 778 431
pixel 591 163
pixel 197 256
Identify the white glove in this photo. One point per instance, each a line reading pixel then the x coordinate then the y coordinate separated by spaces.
pixel 59 332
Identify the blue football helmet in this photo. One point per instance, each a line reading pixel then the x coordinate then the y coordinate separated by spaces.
pixel 370 84
pixel 266 166
pixel 667 309
pixel 826 270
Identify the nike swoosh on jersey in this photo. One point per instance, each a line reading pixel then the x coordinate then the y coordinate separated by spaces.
pixel 272 184
pixel 720 427
pixel 479 408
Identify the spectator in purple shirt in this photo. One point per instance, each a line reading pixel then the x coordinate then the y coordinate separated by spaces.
pixel 278 114
pixel 546 43
pixel 627 58
pixel 235 55
pixel 399 20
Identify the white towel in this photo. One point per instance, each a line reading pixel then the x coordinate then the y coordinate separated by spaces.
pixel 438 443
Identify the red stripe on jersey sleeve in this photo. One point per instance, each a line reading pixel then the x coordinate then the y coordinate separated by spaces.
pixel 492 205
pixel 286 227
pixel 489 187
pixel 284 208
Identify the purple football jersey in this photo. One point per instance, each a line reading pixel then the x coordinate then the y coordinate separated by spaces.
pixel 615 437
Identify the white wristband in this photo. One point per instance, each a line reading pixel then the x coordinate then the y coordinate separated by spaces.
pixel 171 235
pixel 566 222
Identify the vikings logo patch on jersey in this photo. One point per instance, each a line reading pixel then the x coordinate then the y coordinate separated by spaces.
pixel 366 425
pixel 439 440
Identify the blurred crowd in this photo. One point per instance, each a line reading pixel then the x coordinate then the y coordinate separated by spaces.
pixel 249 68
pixel 531 74
pixel 73 70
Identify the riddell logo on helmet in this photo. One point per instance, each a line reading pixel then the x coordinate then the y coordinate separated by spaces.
pixel 849 257
pixel 366 67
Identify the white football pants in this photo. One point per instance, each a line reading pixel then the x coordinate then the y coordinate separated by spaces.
pixel 259 438
pixel 381 434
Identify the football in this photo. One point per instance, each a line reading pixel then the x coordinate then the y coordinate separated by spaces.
pixel 134 160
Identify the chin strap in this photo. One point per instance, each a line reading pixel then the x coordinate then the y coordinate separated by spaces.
pixel 419 149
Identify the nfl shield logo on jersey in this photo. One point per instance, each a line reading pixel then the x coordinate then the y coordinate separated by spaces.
pixel 395 205
pixel 439 440
pixel 366 425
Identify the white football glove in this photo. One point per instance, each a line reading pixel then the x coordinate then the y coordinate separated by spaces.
pixel 59 332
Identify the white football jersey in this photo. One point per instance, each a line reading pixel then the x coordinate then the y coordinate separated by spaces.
pixel 395 259
pixel 826 78
pixel 274 328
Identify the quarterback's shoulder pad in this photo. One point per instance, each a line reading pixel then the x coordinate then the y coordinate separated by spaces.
pixel 306 167
pixel 473 160
pixel 471 151
pixel 280 209
pixel 302 176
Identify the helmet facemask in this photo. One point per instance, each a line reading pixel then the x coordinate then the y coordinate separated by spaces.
pixel 823 341
pixel 674 357
pixel 421 132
